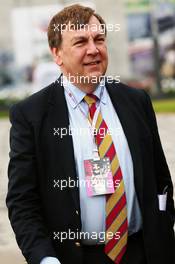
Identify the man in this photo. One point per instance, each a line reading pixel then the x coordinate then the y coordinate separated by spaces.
pixel 58 219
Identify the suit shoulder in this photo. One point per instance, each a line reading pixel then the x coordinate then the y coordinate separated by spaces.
pixel 129 92
pixel 135 98
pixel 33 106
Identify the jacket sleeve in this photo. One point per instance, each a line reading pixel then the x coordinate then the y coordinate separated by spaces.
pixel 162 172
pixel 23 200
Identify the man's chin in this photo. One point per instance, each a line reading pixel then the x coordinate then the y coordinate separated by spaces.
pixel 94 77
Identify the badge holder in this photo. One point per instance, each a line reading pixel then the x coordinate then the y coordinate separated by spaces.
pixel 99 179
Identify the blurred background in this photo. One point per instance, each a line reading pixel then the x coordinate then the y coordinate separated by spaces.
pixel 142 53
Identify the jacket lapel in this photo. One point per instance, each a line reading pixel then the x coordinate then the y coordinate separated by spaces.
pixel 128 122
pixel 59 119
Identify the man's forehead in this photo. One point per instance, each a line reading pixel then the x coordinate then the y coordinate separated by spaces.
pixel 86 31
pixel 92 27
pixel 80 33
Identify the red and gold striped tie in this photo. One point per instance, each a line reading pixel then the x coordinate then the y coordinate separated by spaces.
pixel 116 210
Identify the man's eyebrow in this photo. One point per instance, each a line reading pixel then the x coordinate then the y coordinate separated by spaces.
pixel 100 35
pixel 85 38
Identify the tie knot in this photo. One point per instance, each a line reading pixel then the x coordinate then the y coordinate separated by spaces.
pixel 90 99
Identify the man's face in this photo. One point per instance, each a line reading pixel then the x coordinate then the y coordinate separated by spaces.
pixel 83 52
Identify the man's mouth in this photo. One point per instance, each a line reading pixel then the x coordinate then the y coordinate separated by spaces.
pixel 93 63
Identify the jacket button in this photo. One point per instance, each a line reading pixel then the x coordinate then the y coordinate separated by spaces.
pixel 77 244
pixel 77 212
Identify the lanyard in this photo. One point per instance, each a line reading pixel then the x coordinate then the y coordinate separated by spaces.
pixel 91 126
pixel 72 97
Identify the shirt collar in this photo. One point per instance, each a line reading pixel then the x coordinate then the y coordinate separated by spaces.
pixel 78 95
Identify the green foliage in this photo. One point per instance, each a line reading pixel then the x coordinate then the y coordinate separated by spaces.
pixel 164 106
pixel 4 114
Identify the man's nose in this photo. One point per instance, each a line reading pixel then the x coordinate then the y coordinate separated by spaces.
pixel 92 48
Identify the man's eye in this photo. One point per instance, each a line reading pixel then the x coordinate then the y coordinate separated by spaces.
pixel 101 39
pixel 79 42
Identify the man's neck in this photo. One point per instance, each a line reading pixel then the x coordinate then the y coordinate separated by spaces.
pixel 85 87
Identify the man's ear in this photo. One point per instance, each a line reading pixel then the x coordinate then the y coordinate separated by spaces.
pixel 57 56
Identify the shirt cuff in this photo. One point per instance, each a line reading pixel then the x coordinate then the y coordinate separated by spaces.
pixel 50 260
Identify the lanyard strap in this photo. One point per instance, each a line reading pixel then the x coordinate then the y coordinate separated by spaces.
pixel 91 126
pixel 72 97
